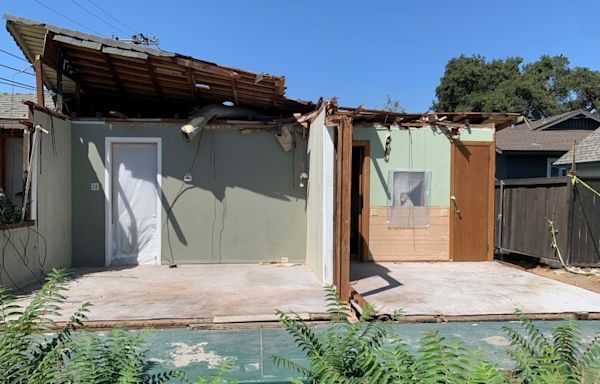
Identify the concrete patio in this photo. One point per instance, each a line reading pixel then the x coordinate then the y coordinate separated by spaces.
pixel 188 294
pixel 466 289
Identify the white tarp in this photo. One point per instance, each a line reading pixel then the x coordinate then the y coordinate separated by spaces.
pixel 134 204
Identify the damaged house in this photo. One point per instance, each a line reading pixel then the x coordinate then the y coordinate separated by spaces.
pixel 152 157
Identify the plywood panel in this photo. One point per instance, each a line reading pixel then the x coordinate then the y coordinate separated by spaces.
pixel 409 244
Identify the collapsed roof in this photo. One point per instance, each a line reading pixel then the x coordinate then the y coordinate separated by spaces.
pixel 109 74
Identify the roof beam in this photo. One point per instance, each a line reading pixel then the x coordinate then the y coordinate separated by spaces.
pixel 205 67
pixel 115 75
pixel 154 81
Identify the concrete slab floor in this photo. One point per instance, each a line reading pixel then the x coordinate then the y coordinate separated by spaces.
pixel 242 291
pixel 464 289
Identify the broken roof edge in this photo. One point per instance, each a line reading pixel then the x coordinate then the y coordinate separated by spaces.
pixel 499 120
pixel 120 45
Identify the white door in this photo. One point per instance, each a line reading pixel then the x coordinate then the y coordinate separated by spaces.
pixel 134 203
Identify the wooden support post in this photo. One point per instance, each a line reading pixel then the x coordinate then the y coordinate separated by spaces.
pixel 78 97
pixel 341 272
pixel 59 84
pixel 39 82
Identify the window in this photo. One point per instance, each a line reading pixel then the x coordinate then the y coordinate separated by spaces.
pixel 408 204
pixel 11 176
pixel 553 170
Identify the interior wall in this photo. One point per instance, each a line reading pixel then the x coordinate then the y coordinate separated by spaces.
pixel 243 205
pixel 425 148
pixel 319 203
pixel 29 251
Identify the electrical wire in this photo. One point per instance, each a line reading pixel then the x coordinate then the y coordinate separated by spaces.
pixel 17 70
pixel 13 55
pixel 17 86
pixel 111 16
pixel 97 17
pixel 16 82
pixel 66 17
pixel 180 193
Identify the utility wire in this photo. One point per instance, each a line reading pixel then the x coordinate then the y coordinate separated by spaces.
pixel 18 86
pixel 17 69
pixel 66 17
pixel 111 16
pixel 98 17
pixel 13 55
pixel 16 82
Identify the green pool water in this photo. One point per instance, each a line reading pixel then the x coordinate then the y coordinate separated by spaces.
pixel 250 350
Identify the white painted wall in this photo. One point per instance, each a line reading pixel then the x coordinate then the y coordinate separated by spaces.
pixel 319 202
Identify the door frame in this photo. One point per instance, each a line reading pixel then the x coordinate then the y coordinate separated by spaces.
pixel 490 207
pixel 108 143
pixel 363 222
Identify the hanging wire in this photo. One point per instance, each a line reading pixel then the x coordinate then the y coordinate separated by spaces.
pixel 111 16
pixel 17 69
pixel 13 55
pixel 66 17
pixel 97 17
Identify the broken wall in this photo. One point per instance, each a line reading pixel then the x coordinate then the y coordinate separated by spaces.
pixel 422 149
pixel 243 205
pixel 319 222
pixel 30 251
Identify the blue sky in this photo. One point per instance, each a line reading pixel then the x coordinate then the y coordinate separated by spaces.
pixel 356 50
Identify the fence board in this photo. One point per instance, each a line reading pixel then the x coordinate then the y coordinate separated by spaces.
pixel 528 204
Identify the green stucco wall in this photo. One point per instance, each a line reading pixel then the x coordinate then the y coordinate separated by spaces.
pixel 243 204
pixel 29 251
pixel 416 148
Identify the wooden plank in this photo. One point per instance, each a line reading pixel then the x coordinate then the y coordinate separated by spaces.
pixel 39 82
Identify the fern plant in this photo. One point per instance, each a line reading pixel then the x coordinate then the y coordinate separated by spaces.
pixel 368 351
pixel 557 358
pixel 33 352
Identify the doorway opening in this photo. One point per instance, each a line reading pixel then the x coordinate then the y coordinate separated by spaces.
pixel 133 208
pixel 359 204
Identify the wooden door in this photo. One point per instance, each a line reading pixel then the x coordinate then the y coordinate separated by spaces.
pixel 471 201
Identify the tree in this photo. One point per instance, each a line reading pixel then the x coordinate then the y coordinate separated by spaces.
pixel 542 88
pixel 391 105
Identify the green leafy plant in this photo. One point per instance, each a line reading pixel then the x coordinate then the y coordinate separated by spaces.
pixel 560 357
pixel 33 351
pixel 367 350
pixel 9 212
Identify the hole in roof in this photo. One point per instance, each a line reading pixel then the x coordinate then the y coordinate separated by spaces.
pixel 228 103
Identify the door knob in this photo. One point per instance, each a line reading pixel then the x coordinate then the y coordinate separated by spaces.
pixel 453 198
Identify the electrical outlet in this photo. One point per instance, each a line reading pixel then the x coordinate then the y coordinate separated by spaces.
pixel 284 259
pixel 444 213
pixel 187 178
pixel 374 212
pixel 95 186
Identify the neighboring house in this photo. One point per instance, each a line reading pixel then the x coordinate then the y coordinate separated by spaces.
pixel 529 149
pixel 12 110
pixel 151 168
pixel 587 156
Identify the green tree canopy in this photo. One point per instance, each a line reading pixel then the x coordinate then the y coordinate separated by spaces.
pixel 542 88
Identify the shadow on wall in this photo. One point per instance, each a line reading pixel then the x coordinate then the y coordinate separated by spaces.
pixel 227 164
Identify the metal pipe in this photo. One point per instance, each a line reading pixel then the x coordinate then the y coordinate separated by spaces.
pixel 195 125
pixel 501 215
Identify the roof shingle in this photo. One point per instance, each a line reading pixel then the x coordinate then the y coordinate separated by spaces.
pixel 588 150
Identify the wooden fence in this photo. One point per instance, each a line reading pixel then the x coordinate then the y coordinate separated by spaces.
pixel 524 206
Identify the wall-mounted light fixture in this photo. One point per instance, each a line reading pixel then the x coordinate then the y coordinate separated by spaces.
pixel 303 177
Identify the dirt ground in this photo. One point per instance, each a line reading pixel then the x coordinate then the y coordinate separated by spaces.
pixel 591 282
pixel 588 282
